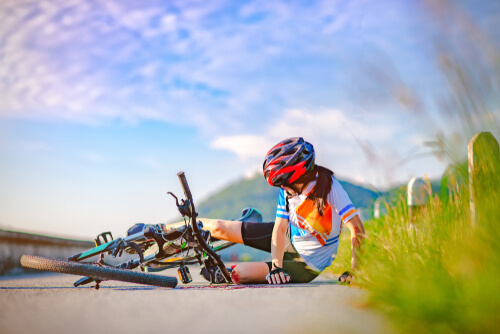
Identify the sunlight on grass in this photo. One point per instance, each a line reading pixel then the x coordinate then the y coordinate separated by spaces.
pixel 441 276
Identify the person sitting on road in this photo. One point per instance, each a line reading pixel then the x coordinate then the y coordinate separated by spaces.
pixel 304 238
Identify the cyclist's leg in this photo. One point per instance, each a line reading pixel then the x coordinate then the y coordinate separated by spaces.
pixel 228 230
pixel 250 273
pixel 219 229
pixel 299 271
pixel 258 236
pixel 256 272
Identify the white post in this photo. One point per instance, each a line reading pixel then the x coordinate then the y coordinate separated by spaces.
pixel 378 209
pixel 484 169
pixel 418 193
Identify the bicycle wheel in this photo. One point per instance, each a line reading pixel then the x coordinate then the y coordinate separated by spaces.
pixel 96 272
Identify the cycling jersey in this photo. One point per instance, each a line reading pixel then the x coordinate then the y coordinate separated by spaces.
pixel 315 237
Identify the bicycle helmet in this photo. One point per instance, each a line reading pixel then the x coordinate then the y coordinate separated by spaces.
pixel 287 161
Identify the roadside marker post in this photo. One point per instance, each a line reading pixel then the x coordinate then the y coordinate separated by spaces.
pixel 418 194
pixel 484 173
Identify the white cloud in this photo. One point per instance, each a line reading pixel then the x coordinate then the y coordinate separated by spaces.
pixel 71 60
pixel 221 67
pixel 310 123
pixel 244 146
pixel 360 150
pixel 329 129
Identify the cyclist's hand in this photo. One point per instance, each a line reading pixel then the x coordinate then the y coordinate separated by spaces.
pixel 347 277
pixel 278 276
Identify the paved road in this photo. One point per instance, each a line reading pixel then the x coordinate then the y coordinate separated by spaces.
pixel 48 303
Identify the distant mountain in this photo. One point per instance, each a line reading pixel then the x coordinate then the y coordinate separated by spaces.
pixel 229 202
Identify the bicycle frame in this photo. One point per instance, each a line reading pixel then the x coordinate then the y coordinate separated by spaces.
pixel 191 238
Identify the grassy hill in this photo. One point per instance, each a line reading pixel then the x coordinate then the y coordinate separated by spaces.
pixel 229 202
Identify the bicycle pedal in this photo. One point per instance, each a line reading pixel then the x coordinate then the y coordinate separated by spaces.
pixel 184 275
pixel 103 238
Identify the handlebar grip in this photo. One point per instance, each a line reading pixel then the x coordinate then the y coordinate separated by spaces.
pixel 196 230
pixel 185 186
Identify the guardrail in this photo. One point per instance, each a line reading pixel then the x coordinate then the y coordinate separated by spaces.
pixel 14 244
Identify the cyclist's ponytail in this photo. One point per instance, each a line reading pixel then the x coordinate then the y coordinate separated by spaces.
pixel 322 188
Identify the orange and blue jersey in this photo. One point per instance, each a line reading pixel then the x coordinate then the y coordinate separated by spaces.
pixel 315 236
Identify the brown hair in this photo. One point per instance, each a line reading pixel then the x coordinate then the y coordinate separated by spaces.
pixel 322 187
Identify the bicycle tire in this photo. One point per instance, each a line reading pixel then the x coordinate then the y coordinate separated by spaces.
pixel 96 272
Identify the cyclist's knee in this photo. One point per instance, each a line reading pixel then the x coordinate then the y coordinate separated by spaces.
pixel 216 227
pixel 250 273
pixel 224 229
pixel 236 275
pixel 240 275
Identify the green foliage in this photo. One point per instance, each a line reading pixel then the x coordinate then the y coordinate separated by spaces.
pixel 229 202
pixel 440 275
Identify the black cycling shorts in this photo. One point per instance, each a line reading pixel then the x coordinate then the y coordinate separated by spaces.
pixel 259 235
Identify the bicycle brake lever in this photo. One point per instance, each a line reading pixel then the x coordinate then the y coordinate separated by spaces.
pixel 176 199
pixel 185 206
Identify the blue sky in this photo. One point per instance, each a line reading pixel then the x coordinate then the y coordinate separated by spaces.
pixel 103 102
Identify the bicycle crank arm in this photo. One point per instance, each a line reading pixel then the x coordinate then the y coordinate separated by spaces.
pixel 84 280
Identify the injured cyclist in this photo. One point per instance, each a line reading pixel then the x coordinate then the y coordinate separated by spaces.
pixel 311 211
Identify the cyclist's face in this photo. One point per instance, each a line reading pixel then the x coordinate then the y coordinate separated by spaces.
pixel 289 190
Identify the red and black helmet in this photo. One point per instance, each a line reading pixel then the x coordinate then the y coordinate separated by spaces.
pixel 287 161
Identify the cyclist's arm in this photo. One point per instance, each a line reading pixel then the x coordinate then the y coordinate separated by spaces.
pixel 357 237
pixel 278 243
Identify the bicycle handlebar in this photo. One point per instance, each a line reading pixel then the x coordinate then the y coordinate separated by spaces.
pixel 196 230
pixel 185 186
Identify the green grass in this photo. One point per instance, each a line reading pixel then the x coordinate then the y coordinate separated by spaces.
pixel 442 276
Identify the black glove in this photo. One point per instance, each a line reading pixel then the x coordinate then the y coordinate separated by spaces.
pixel 285 278
pixel 345 275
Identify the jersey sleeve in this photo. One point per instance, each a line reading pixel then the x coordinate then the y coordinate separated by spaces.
pixel 281 209
pixel 340 201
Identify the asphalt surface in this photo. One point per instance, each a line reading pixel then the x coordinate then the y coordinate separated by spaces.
pixel 48 303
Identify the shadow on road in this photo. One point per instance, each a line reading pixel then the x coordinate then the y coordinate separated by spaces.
pixel 181 287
